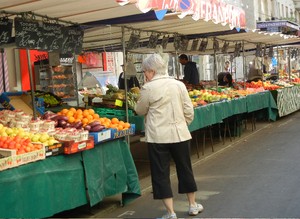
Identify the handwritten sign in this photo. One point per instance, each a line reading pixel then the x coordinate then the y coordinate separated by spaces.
pixel 28 33
pixel 5 30
pixel 73 38
pixel 53 37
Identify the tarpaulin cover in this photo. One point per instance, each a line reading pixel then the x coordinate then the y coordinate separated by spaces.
pixel 42 188
pixel 110 170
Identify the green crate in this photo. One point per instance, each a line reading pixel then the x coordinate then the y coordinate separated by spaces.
pixel 111 113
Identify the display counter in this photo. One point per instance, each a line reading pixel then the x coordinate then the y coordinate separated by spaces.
pixel 287 99
pixel 44 188
pixel 214 113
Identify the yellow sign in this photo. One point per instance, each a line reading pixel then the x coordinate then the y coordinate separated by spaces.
pixel 119 103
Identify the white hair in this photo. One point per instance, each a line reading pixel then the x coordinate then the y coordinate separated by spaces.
pixel 155 63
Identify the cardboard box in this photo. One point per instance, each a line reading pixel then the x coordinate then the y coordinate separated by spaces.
pixel 32 156
pixel 7 159
pixel 56 149
pixel 101 136
pixel 119 134
pixel 21 101
pixel 71 147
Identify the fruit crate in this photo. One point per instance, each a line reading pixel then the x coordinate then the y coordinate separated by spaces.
pixel 7 159
pixel 122 133
pixel 101 136
pixel 111 113
pixel 71 147
pixel 30 156
pixel 55 149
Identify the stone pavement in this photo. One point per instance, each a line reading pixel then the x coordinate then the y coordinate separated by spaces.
pixel 256 175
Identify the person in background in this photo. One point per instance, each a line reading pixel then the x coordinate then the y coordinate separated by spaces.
pixel 191 75
pixel 132 81
pixel 168 111
pixel 227 66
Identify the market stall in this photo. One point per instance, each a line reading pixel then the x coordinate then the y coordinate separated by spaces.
pixel 287 100
pixel 58 183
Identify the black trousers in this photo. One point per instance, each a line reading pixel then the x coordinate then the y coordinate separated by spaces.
pixel 160 156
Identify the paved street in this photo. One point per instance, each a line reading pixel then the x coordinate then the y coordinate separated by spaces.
pixel 255 176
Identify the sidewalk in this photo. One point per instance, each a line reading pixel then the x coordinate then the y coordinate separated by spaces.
pixel 241 178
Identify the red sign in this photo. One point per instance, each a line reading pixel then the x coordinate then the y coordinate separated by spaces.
pixel 214 10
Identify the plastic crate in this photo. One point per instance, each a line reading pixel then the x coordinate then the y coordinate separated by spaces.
pixel 111 113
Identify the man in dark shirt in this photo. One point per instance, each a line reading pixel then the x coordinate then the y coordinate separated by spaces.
pixel 191 75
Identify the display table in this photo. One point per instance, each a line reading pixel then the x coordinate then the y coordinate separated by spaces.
pixel 44 188
pixel 287 99
pixel 262 100
pixel 214 113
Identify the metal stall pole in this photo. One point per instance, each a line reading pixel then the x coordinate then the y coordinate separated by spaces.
pixel 277 68
pixel 124 73
pixel 244 65
pixel 289 63
pixel 31 85
pixel 75 78
pixel 215 68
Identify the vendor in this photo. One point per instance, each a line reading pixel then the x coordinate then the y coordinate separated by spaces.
pixel 132 81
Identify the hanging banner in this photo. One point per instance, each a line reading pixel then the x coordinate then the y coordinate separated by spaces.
pixel 5 30
pixel 208 10
pixel 28 33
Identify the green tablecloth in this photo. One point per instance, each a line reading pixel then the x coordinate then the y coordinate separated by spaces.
pixel 44 188
pixel 262 100
pixel 110 170
pixel 215 112
pixel 287 99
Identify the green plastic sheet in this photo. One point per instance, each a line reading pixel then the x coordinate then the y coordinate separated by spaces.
pixel 110 170
pixel 214 113
pixel 47 187
pixel 42 188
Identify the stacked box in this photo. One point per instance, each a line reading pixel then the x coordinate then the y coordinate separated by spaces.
pixel 7 159
pixel 122 133
pixel 30 157
pixel 71 147
pixel 56 149
pixel 101 136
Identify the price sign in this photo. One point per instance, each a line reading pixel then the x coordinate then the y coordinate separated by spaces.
pixel 28 33
pixel 5 30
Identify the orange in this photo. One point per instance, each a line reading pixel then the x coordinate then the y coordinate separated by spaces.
pixel 114 126
pixel 89 117
pixel 91 111
pixel 126 125
pixel 70 114
pixel 71 119
pixel 79 111
pixel 64 111
pixel 96 116
pixel 85 121
pixel 121 123
pixel 120 127
pixel 101 120
pixel 72 109
pixel 85 113
pixel 114 120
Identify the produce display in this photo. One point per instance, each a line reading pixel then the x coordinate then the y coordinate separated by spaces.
pixel 50 100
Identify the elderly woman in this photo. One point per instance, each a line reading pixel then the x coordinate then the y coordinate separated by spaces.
pixel 168 110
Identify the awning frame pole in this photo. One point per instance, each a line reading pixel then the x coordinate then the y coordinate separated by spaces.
pixel 125 79
pixel 31 85
pixel 244 65
pixel 289 63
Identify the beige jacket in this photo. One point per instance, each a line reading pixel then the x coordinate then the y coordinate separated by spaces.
pixel 168 110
